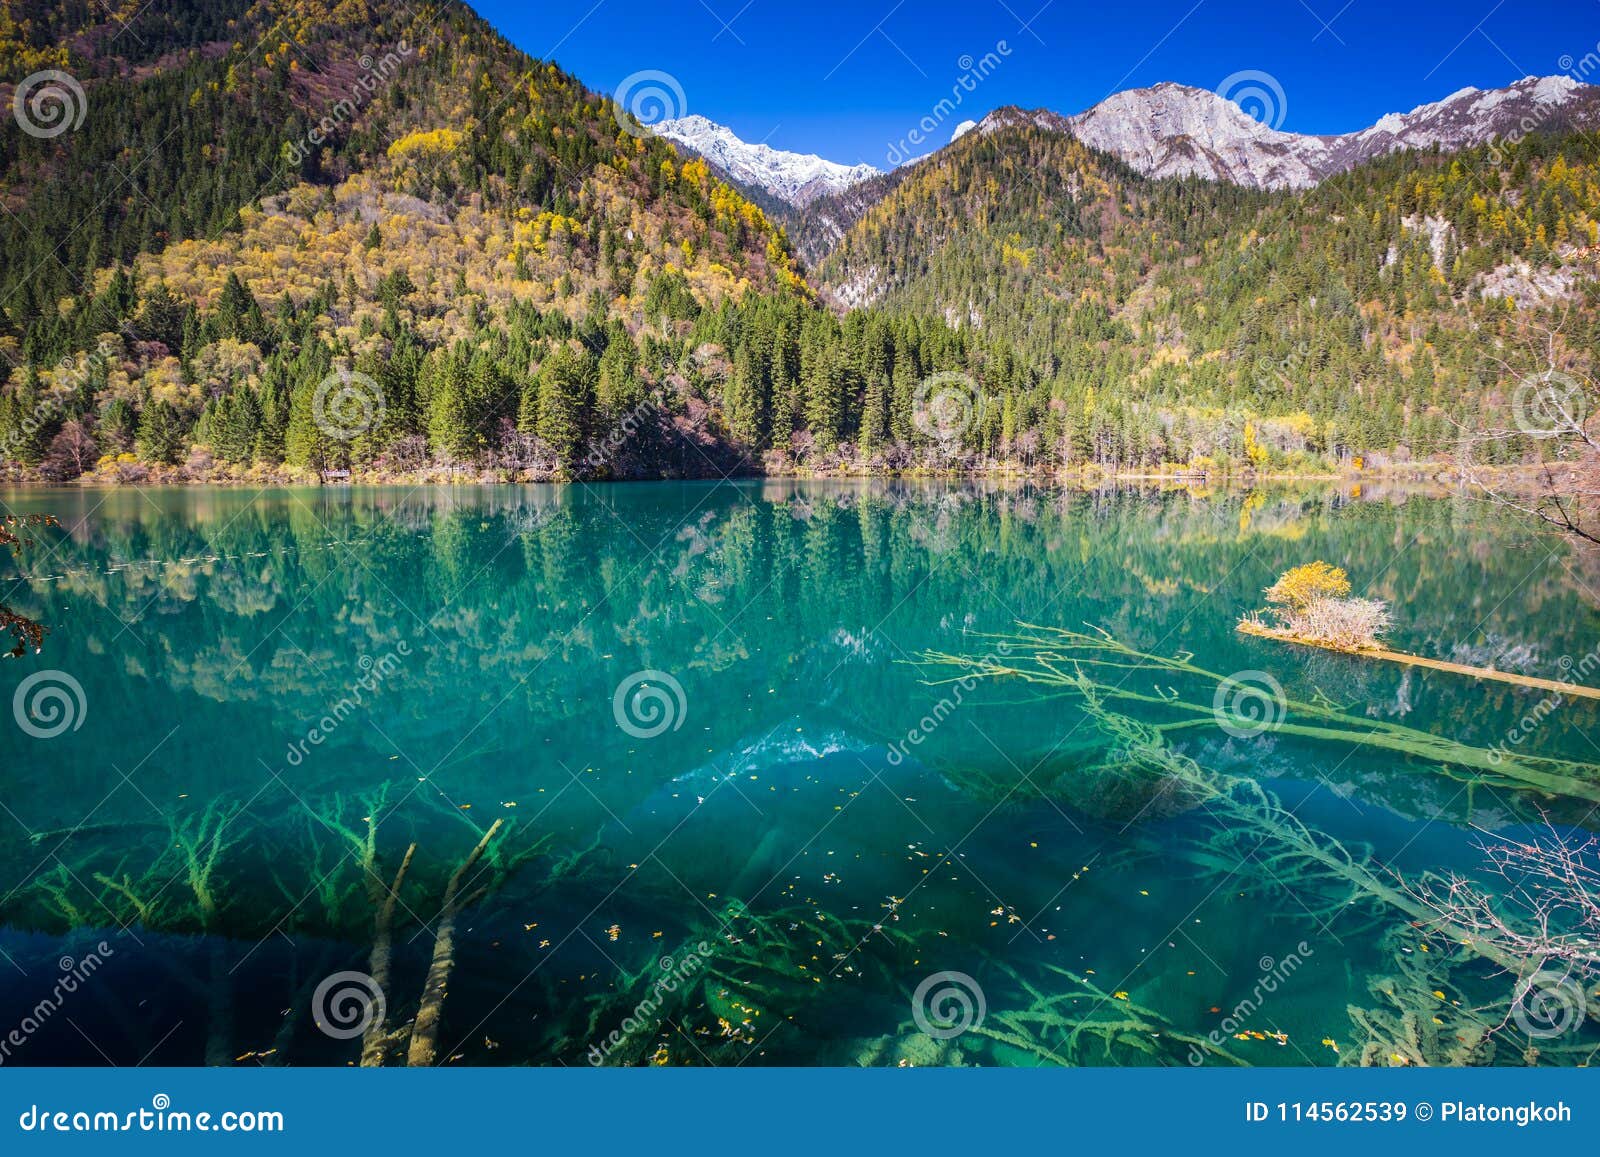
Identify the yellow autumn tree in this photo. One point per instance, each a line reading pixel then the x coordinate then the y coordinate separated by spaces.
pixel 1299 586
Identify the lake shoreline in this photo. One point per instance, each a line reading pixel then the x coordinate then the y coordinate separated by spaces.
pixel 1523 480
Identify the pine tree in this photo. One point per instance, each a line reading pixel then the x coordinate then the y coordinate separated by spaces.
pixel 161 434
pixel 741 401
pixel 450 432
pixel 823 397
pixel 618 389
pixel 565 388
pixel 875 411
pixel 785 386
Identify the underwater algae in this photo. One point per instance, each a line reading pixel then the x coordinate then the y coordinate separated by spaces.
pixel 1407 1028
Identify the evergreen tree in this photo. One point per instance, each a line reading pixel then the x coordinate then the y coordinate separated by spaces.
pixel 566 386
pixel 450 430
pixel 161 433
pixel 742 401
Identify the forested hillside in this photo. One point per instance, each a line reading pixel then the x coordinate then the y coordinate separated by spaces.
pixel 403 211
pixel 1174 320
pixel 279 239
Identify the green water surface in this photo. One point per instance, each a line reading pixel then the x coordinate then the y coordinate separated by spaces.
pixel 739 824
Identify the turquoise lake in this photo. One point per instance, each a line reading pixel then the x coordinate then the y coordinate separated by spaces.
pixel 747 814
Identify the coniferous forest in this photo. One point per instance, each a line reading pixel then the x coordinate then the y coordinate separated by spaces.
pixel 289 239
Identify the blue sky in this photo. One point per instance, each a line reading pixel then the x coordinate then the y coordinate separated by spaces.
pixel 849 80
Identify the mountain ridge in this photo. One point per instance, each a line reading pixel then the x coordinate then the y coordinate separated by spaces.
pixel 1171 129
pixel 794 178
pixel 1177 130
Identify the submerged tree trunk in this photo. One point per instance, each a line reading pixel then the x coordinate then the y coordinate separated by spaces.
pixel 375 1041
pixel 425 1031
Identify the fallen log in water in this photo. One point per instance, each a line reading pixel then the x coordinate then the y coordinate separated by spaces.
pixel 1261 630
pixel 1056 660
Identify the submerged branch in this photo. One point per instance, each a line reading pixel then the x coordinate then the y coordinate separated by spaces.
pixel 1056 657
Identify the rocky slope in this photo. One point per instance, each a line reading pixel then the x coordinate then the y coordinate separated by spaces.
pixel 1172 130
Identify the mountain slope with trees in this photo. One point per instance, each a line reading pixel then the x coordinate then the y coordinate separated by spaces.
pixel 297 237
pixel 1184 320
pixel 393 207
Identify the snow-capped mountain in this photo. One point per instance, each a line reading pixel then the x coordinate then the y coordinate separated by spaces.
pixel 1174 130
pixel 1476 116
pixel 797 178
